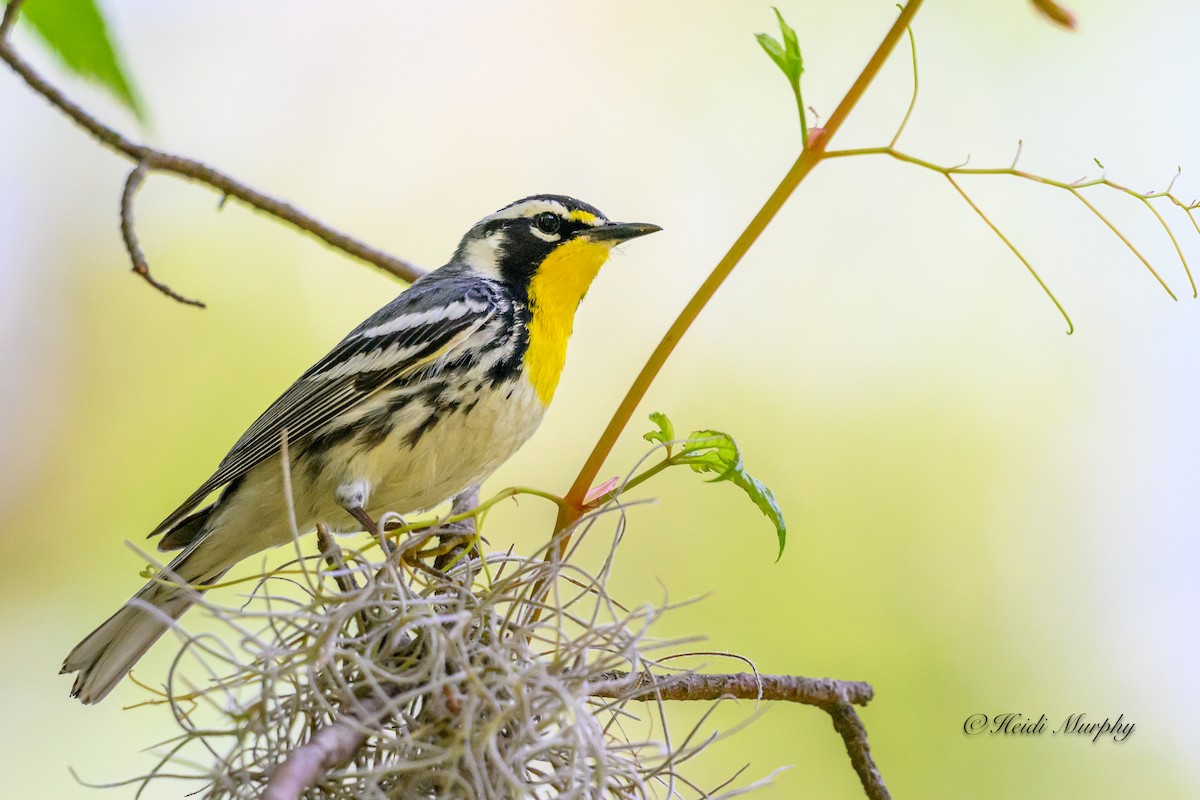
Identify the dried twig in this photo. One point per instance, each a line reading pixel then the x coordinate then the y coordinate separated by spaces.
pixel 854 735
pixel 821 692
pixel 10 18
pixel 129 235
pixel 329 748
pixel 148 159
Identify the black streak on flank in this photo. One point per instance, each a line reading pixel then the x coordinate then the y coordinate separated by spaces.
pixel 375 428
pixel 416 433
pixel 322 443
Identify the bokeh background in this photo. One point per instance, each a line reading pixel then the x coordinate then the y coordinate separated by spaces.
pixel 986 515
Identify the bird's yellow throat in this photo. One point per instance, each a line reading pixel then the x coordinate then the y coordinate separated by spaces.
pixel 554 293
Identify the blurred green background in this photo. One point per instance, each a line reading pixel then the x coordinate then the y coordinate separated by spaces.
pixel 987 516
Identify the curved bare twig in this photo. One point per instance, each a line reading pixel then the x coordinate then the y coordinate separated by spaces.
pixel 129 235
pixel 148 159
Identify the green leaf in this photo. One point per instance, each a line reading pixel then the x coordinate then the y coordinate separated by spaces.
pixel 666 431
pixel 791 45
pixel 717 453
pixel 75 31
pixel 774 50
pixel 786 55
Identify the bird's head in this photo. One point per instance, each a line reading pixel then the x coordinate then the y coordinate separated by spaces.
pixel 547 242
pixel 546 249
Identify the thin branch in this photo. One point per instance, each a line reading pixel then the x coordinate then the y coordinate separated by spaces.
pixel 1117 232
pixel 837 698
pixel 150 159
pixel 10 18
pixel 1015 251
pixel 333 557
pixel 1074 187
pixel 571 510
pixel 129 235
pixel 912 103
pixel 854 735
pixel 820 692
pixel 1171 236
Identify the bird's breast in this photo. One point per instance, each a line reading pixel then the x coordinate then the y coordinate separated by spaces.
pixel 434 453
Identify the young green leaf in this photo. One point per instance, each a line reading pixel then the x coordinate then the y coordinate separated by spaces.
pixel 75 31
pixel 791 47
pixel 787 57
pixel 774 50
pixel 666 431
pixel 715 453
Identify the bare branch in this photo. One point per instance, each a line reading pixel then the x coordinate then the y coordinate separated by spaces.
pixel 854 735
pixel 821 692
pixel 328 749
pixel 1013 248
pixel 148 159
pixel 912 103
pixel 1125 239
pixel 838 698
pixel 10 18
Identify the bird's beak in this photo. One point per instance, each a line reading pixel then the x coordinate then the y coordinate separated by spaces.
pixel 617 232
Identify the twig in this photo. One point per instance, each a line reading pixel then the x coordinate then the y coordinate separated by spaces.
pixel 1074 187
pixel 148 159
pixel 854 735
pixel 912 103
pixel 837 698
pixel 1013 248
pixel 572 509
pixel 10 18
pixel 821 692
pixel 329 748
pixel 333 557
pixel 129 235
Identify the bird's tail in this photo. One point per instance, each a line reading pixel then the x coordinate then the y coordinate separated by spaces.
pixel 107 654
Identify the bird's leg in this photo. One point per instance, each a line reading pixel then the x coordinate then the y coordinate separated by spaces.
pixel 364 519
pixel 457 536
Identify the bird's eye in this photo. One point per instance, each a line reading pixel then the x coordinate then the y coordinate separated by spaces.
pixel 548 222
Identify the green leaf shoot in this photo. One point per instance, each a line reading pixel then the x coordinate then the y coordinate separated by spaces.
pixel 75 31
pixel 665 433
pixel 715 453
pixel 774 50
pixel 787 57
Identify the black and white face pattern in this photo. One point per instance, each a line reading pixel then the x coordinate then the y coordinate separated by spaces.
pixel 510 244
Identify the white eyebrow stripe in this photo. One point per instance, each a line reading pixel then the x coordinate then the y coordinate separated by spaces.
pixel 528 209
pixel 455 310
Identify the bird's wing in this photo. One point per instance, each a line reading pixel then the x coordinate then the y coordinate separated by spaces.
pixel 412 335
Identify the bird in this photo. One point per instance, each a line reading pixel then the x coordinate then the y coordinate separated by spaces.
pixel 428 396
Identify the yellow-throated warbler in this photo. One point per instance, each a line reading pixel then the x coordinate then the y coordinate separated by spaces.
pixel 426 397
